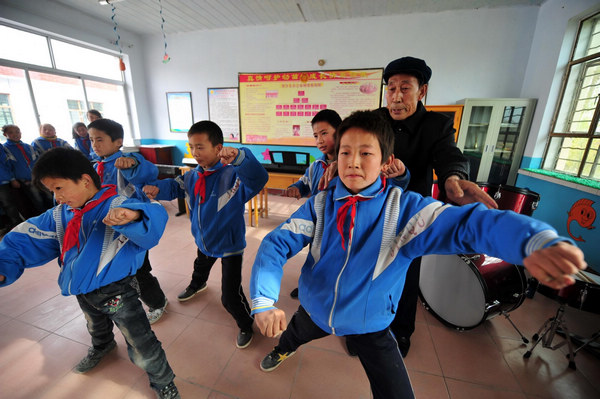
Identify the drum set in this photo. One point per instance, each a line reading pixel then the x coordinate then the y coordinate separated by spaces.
pixel 463 291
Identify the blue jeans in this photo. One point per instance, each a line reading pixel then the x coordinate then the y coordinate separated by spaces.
pixel 378 353
pixel 117 303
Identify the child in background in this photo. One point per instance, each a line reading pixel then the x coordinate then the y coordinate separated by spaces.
pixel 82 140
pixel 7 183
pixel 47 140
pixel 99 238
pixel 216 192
pixel 129 173
pixel 93 115
pixel 363 234
pixel 24 158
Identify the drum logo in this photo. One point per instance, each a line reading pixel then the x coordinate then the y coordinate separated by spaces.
pixel 583 213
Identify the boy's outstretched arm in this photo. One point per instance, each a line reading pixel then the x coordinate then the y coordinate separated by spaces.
pixel 150 191
pixel 554 266
pixel 121 216
pixel 271 322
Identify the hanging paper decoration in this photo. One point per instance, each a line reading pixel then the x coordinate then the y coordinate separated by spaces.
pixel 166 57
pixel 117 43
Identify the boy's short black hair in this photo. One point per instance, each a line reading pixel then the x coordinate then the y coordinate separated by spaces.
pixel 214 132
pixel 63 163
pixel 108 126
pixel 329 116
pixel 372 122
pixel 76 126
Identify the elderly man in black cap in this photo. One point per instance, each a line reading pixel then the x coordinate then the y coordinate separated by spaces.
pixel 424 141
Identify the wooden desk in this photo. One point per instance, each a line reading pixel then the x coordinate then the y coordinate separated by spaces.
pixel 282 180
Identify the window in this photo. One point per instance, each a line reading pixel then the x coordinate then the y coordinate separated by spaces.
pixel 76 111
pixel 5 113
pixel 58 89
pixel 575 136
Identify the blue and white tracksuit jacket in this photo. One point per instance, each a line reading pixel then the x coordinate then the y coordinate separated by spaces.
pixel 106 253
pixel 218 224
pixel 41 144
pixel 129 181
pixel 88 152
pixel 355 291
pixel 21 168
pixel 309 183
pixel 7 172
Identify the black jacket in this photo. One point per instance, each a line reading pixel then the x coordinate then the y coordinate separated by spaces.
pixel 425 141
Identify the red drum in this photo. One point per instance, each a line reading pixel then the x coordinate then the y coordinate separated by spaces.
pixel 520 200
pixel 462 291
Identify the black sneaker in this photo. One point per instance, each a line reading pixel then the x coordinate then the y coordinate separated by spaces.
pixel 244 338
pixel 169 392
pixel 294 293
pixel 189 293
pixel 93 358
pixel 274 359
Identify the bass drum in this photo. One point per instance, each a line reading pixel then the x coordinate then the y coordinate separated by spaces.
pixel 462 291
pixel 509 198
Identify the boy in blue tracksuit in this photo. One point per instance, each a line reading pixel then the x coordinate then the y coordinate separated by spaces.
pixel 24 157
pixel 324 125
pixel 216 191
pixel 129 173
pixel 363 234
pixel 47 140
pixel 99 238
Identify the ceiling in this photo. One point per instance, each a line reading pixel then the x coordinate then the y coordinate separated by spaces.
pixel 143 16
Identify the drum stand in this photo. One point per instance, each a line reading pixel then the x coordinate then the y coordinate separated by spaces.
pixel 548 331
pixel 505 314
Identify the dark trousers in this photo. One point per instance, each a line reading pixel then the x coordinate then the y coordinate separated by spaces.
pixel 378 353
pixel 150 292
pixel 232 294
pixel 34 201
pixel 7 202
pixel 117 303
pixel 403 324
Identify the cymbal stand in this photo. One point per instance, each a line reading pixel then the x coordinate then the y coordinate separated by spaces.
pixel 546 334
pixel 588 341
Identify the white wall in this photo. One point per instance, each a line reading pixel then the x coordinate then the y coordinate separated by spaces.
pixel 476 53
pixel 64 21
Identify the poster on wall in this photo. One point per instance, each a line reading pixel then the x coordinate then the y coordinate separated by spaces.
pixel 276 108
pixel 179 107
pixel 224 110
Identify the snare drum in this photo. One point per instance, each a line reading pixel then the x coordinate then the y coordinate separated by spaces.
pixel 583 295
pixel 462 291
pixel 520 200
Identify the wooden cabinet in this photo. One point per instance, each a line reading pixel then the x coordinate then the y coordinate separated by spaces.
pixel 492 136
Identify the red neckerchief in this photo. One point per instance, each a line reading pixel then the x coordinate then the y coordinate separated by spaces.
pixel 20 147
pixel 100 170
pixel 86 144
pixel 200 186
pixel 53 142
pixel 74 225
pixel 351 203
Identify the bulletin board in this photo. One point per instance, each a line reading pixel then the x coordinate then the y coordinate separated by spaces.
pixel 224 110
pixel 276 108
pixel 179 109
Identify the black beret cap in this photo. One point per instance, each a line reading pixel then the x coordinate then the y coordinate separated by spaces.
pixel 410 66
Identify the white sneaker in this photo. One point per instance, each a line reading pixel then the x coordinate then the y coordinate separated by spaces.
pixel 155 314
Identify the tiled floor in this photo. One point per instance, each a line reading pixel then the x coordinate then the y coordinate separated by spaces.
pixel 42 335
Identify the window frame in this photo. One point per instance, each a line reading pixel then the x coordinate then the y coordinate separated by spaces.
pixel 592 133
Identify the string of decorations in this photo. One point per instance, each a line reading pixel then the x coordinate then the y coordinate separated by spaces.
pixel 117 43
pixel 166 57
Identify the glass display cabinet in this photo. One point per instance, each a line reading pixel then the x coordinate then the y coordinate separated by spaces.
pixel 492 136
